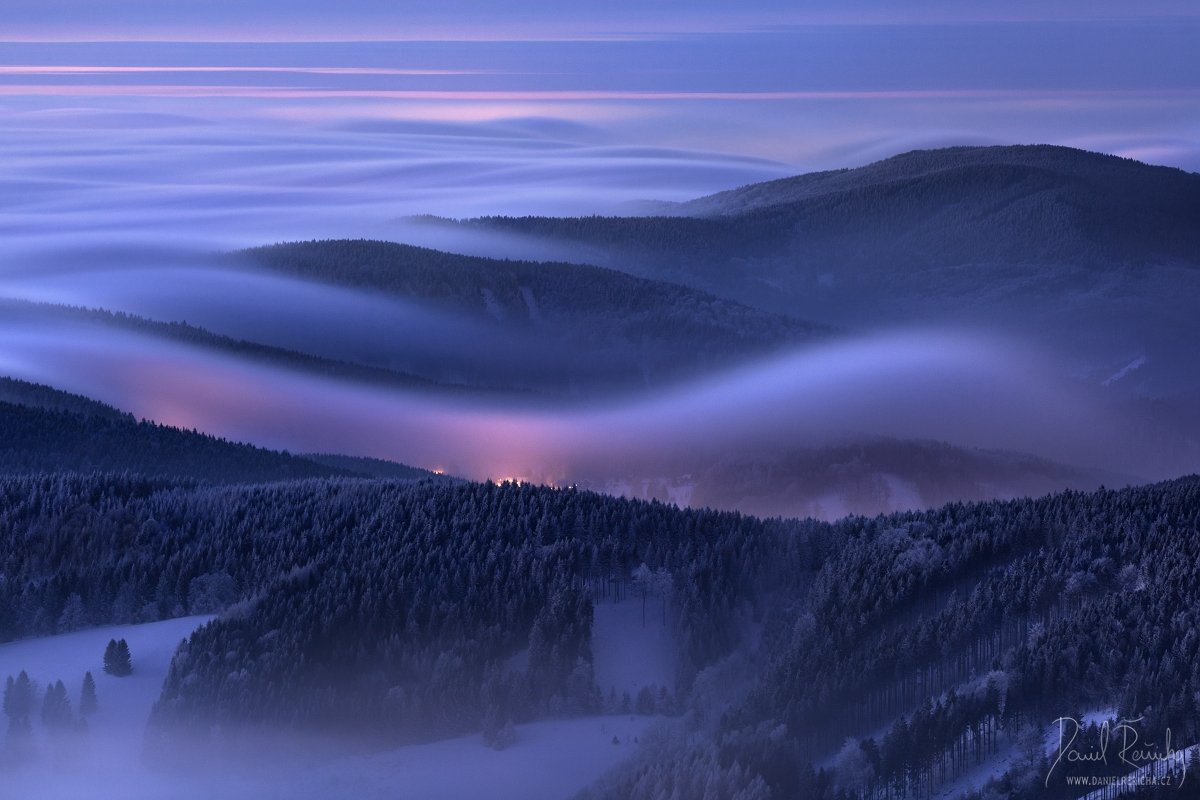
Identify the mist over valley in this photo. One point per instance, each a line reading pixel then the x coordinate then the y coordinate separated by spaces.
pixel 638 402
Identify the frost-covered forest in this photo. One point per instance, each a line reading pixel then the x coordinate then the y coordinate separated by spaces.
pixel 883 656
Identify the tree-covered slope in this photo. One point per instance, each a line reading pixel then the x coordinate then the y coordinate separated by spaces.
pixel 45 430
pixel 34 440
pixel 405 625
pixel 587 326
pixel 104 322
pixel 1027 204
pixel 1144 181
pixel 880 657
pixel 942 644
pixel 35 395
pixel 384 608
pixel 1096 254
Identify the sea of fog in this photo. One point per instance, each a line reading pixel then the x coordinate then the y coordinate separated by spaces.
pixel 967 387
pixel 945 385
pixel 125 167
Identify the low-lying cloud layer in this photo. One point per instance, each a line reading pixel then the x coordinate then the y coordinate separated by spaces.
pixel 926 385
pixel 227 143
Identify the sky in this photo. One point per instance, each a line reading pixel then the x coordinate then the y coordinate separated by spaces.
pixel 233 123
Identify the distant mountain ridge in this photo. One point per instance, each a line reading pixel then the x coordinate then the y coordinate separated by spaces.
pixel 1020 204
pixel 186 334
pixel 576 325
pixel 35 395
pixel 920 163
pixel 1097 253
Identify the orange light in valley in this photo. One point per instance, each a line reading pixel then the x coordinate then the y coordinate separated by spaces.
pixel 512 480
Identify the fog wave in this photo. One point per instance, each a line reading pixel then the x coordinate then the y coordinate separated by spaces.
pixel 943 385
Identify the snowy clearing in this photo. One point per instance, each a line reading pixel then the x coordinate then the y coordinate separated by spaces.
pixel 550 760
pixel 124 703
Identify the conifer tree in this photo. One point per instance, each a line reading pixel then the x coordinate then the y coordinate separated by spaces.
pixel 18 705
pixel 18 698
pixel 74 615
pixel 117 659
pixel 56 708
pixel 122 660
pixel 87 696
pixel 110 656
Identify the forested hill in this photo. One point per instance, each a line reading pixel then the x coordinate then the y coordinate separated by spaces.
pixel 520 291
pixel 35 395
pixel 43 430
pixel 104 321
pixel 1021 204
pixel 884 657
pixel 601 327
pixel 964 223
pixel 381 608
pixel 1097 254
pixel 1118 175
pixel 936 648
pixel 936 641
pixel 408 620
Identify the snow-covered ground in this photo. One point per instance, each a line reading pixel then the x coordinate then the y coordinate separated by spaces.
pixel 124 703
pixel 626 654
pixel 550 760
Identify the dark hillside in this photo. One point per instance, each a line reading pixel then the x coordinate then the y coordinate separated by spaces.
pixel 45 430
pixel 586 326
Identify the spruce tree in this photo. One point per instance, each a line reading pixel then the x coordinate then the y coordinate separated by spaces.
pixel 110 656
pixel 19 698
pixel 117 660
pixel 74 615
pixel 49 707
pixel 87 697
pixel 56 708
pixel 123 661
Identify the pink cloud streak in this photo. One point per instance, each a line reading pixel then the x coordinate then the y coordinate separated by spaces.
pixel 212 90
pixel 57 69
